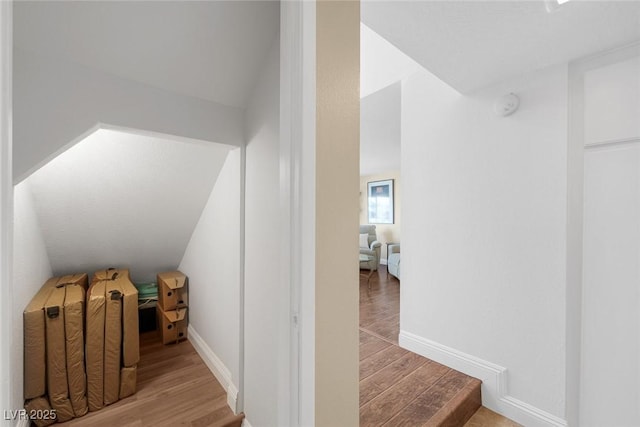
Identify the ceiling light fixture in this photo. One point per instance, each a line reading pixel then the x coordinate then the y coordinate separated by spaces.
pixel 553 5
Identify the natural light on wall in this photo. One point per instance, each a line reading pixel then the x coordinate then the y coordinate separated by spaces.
pixel 553 5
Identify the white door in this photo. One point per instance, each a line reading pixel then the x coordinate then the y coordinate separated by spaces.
pixel 610 365
pixel 610 377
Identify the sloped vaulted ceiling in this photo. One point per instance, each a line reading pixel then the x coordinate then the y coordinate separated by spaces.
pixel 117 199
pixel 206 49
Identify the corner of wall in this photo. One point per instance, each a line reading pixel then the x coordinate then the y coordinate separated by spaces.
pixel 216 366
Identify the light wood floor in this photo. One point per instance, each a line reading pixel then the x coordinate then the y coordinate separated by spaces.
pixel 400 388
pixel 175 388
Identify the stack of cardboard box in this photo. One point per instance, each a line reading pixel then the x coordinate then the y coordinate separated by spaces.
pixel 172 308
pixel 54 364
pixel 113 347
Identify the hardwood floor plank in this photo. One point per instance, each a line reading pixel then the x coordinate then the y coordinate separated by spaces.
pixel 393 400
pixel 175 388
pixel 370 344
pixel 487 418
pixel 379 360
pixel 375 384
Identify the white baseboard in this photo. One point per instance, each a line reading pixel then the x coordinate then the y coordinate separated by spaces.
pixel 383 261
pixel 215 365
pixel 494 381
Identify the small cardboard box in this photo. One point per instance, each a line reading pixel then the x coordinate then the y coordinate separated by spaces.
pixel 173 324
pixel 172 290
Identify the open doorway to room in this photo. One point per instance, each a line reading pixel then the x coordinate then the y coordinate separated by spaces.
pixel 396 385
pixel 489 203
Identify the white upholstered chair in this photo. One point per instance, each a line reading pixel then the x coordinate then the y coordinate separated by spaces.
pixel 369 245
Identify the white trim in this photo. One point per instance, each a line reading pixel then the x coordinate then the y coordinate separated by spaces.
pixel 290 242
pixel 246 423
pixel 298 23
pixel 495 394
pixel 216 366
pixel 241 290
pixel 7 389
pixel 23 423
pixel 383 261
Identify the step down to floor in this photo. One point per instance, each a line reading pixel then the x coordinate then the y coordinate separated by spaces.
pixel 234 421
pixel 398 387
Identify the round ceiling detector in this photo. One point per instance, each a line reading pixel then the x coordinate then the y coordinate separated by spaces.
pixel 506 105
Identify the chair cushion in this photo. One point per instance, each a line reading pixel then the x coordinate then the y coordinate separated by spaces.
pixel 364 241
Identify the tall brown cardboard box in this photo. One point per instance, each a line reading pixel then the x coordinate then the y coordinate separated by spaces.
pixel 57 381
pixel 35 355
pixel 53 346
pixel 112 337
pixel 173 287
pixel 173 324
pixel 96 304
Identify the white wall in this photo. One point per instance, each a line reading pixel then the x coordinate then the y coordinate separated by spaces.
pixel 58 102
pixel 484 214
pixel 263 302
pixel 121 199
pixel 31 268
pixel 212 263
pixel 380 130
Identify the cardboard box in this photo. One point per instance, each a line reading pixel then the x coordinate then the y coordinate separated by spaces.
pixel 35 337
pixel 74 334
pixel 112 334
pixel 41 410
pixel 95 343
pixel 173 289
pixel 112 340
pixel 35 356
pixel 57 386
pixel 128 381
pixel 173 324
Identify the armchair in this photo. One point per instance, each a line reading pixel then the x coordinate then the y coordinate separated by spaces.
pixel 393 261
pixel 372 249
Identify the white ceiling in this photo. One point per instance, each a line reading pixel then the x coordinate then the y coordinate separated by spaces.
pixel 380 131
pixel 473 44
pixel 207 49
pixel 117 199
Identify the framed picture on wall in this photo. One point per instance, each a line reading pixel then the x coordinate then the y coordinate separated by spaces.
pixel 380 202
